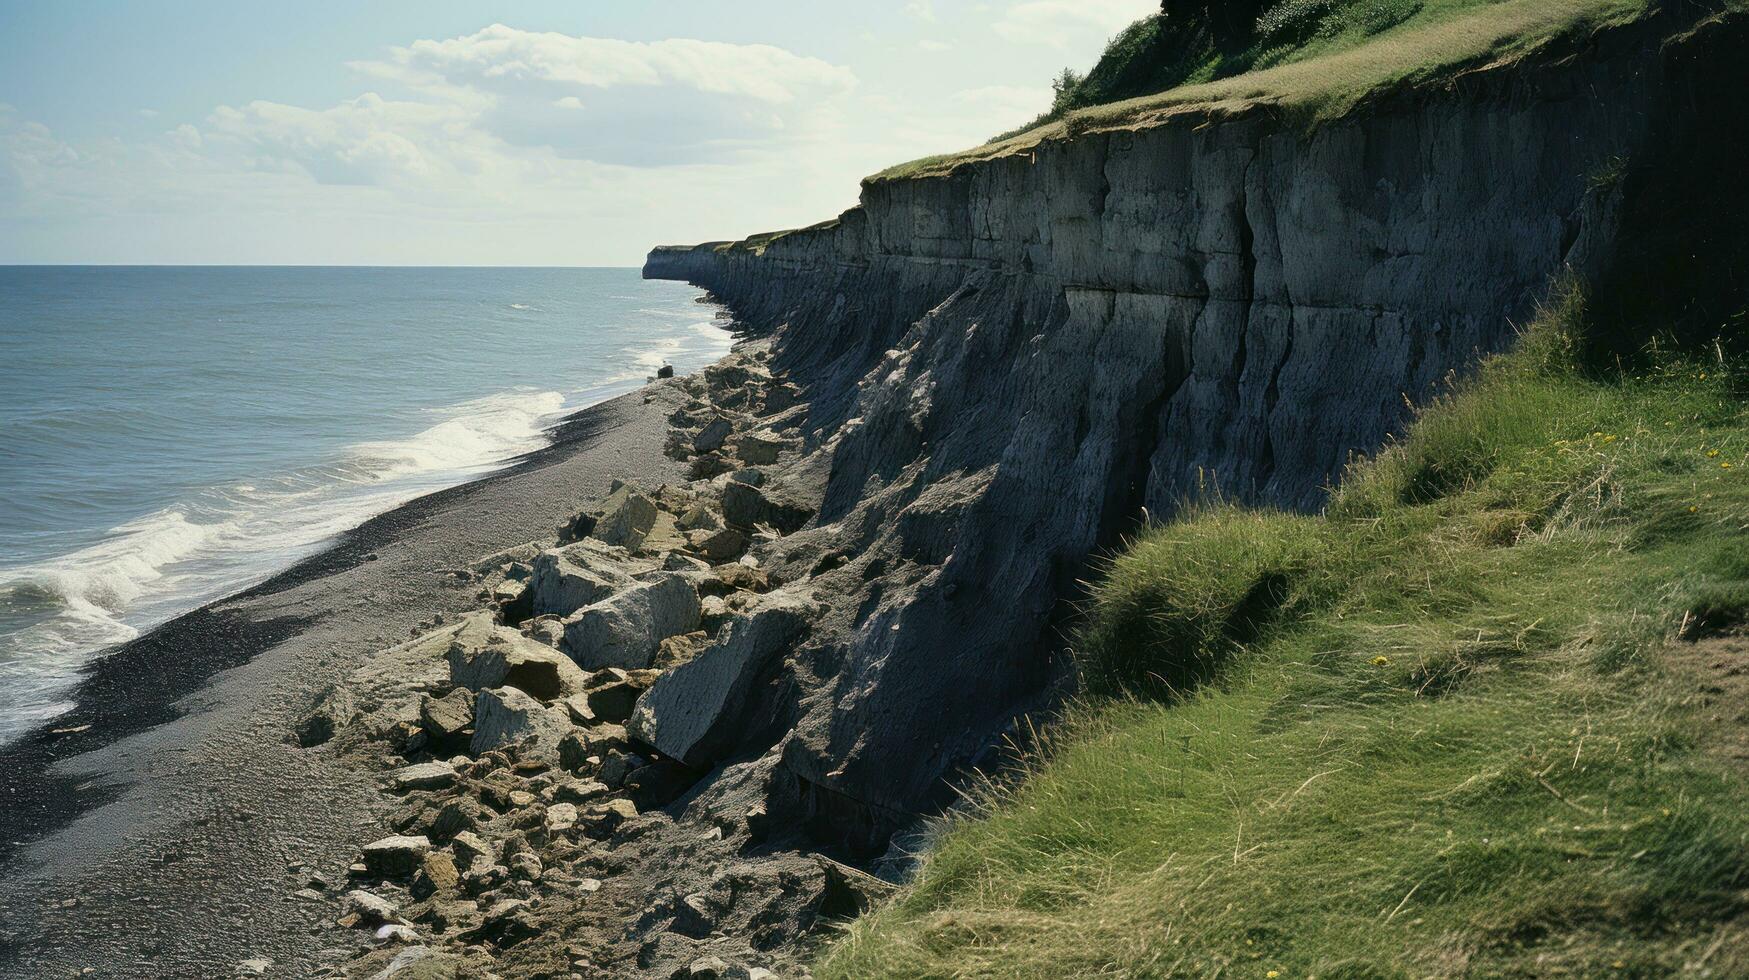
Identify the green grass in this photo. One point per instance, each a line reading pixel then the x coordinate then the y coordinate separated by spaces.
pixel 1314 69
pixel 1438 730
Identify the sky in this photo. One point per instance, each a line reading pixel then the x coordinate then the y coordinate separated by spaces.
pixel 549 132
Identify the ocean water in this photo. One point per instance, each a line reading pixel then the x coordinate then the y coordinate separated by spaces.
pixel 171 435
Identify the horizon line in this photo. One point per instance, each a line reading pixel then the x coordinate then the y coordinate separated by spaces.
pixel 282 265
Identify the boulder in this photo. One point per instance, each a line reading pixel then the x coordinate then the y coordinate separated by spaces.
pixel 722 545
pixel 565 580
pixel 699 517
pixel 626 517
pixel 747 506
pixel 507 716
pixel 561 817
pixel 502 657
pixel 624 630
pixel 712 436
pixel 760 448
pixel 695 712
pixel 446 719
pixel 426 775
pixel 370 909
pixel 395 857
pixel 437 873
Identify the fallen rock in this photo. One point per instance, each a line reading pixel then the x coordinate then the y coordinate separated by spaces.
pixel 712 436
pixel 565 580
pixel 709 466
pixel 507 716
pixel 723 545
pixel 370 909
pixel 850 892
pixel 626 517
pixel 604 818
pixel 624 630
pixel 395 857
pixel 699 517
pixel 421 963
pixel 695 712
pixel 760 448
pixel 437 873
pixel 447 719
pixel 748 506
pixel 426 775
pixel 504 658
pixel 561 817
pixel 473 849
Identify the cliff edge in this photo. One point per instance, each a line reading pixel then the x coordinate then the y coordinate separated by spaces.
pixel 1010 365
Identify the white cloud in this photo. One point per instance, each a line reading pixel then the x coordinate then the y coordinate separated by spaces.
pixel 1064 23
pixel 933 46
pixel 923 10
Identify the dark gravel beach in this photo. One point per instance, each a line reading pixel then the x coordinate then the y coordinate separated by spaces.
pixel 164 830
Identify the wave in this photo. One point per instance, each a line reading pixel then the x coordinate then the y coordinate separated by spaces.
pixel 224 538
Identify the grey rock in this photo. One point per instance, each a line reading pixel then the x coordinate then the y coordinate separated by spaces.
pixel 626 518
pixel 624 630
pixel 395 857
pixel 426 775
pixel 747 506
pixel 761 448
pixel 712 436
pixel 564 580
pixel 695 711
pixel 699 517
pixel 506 716
pixel 371 909
pixel 502 657
pixel 447 718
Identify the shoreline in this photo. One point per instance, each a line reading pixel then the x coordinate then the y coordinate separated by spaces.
pixel 107 706
pixel 164 764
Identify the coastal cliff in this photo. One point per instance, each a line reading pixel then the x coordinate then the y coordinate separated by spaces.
pixel 1010 365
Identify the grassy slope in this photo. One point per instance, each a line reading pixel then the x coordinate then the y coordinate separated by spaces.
pixel 1328 74
pixel 1457 739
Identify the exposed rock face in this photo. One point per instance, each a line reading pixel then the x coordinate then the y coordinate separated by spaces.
pixel 1005 365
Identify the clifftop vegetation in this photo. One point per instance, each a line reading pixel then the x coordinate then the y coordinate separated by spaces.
pixel 1312 59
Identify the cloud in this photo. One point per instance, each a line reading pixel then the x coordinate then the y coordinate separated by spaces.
pixel 611 101
pixel 1063 23
pixel 933 46
pixel 923 10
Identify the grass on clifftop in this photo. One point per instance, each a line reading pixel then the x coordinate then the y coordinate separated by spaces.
pixel 1478 719
pixel 1359 48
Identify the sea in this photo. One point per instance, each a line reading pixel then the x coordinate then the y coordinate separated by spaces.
pixel 171 435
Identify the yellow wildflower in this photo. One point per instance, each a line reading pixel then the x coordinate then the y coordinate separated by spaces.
pixel 1712 454
pixel 1692 509
pixel 1272 974
pixel 1724 466
pixel 1381 661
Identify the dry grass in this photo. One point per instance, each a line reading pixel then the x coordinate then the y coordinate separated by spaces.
pixel 1330 79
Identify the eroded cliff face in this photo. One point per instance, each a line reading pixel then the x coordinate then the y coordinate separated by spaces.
pixel 1005 365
